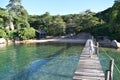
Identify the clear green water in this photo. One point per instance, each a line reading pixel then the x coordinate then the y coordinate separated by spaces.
pixel 105 60
pixel 56 61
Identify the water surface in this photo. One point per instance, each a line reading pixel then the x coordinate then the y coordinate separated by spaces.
pixel 51 61
pixel 106 54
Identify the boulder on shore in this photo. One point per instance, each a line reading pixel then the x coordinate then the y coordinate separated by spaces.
pixel 2 41
pixel 115 44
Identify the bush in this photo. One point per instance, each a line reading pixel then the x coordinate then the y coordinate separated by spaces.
pixel 26 33
pixel 2 34
pixel 115 36
pixel 9 33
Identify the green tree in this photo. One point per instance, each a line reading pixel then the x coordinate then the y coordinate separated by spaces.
pixel 87 21
pixel 3 17
pixel 26 33
pixel 46 20
pixel 17 14
pixel 114 25
pixel 58 26
pixel 2 34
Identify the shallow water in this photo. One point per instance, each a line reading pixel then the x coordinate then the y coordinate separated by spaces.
pixel 56 61
pixel 105 56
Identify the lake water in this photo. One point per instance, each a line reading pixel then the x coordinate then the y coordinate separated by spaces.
pixel 105 56
pixel 50 61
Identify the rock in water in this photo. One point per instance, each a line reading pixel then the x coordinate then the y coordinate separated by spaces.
pixel 115 44
pixel 2 41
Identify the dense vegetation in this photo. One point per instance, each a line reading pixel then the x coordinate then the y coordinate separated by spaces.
pixel 14 22
pixel 111 17
pixel 66 24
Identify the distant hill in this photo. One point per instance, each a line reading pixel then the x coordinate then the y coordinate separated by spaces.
pixel 111 18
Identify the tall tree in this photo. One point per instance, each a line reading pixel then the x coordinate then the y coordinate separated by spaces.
pixel 59 24
pixel 3 17
pixel 17 14
pixel 46 21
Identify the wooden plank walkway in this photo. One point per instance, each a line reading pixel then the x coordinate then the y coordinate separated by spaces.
pixel 88 68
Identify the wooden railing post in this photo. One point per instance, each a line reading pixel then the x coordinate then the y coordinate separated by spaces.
pixel 111 69
pixel 97 47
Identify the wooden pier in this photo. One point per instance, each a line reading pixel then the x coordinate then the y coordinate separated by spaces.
pixel 88 68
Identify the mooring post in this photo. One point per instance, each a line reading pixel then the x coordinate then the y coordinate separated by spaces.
pixel 109 73
pixel 107 77
pixel 111 69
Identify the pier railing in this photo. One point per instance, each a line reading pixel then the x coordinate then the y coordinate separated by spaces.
pixel 112 66
pixel 89 68
pixel 109 72
pixel 109 68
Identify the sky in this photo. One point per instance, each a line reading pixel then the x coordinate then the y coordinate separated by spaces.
pixel 62 7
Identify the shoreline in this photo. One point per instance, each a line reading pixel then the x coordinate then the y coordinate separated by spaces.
pixel 53 40
pixel 33 41
pixel 57 40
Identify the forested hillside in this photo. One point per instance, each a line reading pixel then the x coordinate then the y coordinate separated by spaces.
pixel 16 22
pixel 65 24
pixel 111 17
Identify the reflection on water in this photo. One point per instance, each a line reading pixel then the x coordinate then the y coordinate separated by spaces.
pixel 39 61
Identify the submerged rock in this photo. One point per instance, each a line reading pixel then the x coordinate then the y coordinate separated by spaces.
pixel 2 41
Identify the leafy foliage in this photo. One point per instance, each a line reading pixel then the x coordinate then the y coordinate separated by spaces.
pixel 53 25
pixel 105 23
pixel 3 17
pixel 2 34
pixel 17 14
pixel 111 17
pixel 26 33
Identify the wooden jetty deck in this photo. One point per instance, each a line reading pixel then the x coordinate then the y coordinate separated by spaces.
pixel 88 68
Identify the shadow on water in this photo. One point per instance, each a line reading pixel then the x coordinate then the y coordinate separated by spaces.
pixel 37 64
